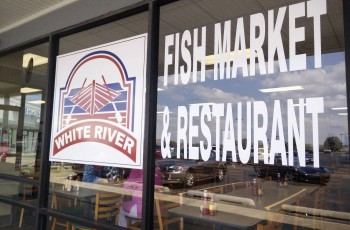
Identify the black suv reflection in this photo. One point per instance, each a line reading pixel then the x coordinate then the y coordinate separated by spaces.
pixel 188 172
pixel 307 174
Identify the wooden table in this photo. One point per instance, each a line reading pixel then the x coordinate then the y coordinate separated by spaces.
pixel 84 195
pixel 246 217
pixel 221 219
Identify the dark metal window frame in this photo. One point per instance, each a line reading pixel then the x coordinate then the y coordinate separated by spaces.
pixel 153 7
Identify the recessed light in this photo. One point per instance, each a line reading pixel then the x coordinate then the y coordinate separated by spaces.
pixel 37 59
pixel 204 103
pixel 210 59
pixel 29 90
pixel 342 114
pixel 37 102
pixel 281 89
pixel 339 108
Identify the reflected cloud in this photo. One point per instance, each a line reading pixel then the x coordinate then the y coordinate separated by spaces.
pixel 327 82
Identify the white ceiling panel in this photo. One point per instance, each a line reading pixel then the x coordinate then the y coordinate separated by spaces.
pixel 16 12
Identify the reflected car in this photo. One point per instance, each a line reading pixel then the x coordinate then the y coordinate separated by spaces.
pixel 309 158
pixel 158 152
pixel 306 174
pixel 188 172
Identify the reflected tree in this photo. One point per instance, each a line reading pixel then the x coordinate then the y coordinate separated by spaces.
pixel 332 143
pixel 309 148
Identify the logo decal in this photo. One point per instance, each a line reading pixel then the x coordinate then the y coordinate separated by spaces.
pixel 96 106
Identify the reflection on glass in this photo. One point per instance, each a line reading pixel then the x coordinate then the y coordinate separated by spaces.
pixel 234 99
pixel 262 145
pixel 22 81
pixel 23 217
pixel 94 192
pixel 26 193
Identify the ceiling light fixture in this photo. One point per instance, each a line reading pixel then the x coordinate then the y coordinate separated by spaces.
pixel 296 105
pixel 339 108
pixel 210 59
pixel 37 102
pixel 281 89
pixel 29 90
pixel 342 114
pixel 204 103
pixel 37 59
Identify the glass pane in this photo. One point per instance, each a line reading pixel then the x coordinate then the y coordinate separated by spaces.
pixel 19 191
pixel 252 114
pixel 13 216
pixel 78 189
pixel 23 78
pixel 5 215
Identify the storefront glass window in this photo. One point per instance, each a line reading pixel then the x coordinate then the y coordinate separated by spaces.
pixel 86 183
pixel 252 114
pixel 23 80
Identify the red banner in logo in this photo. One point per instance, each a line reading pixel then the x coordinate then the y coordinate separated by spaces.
pixel 97 131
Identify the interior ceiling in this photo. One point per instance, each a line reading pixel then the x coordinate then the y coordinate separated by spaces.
pixel 177 17
pixel 16 12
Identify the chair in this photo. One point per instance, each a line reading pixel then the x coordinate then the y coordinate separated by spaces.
pixel 237 173
pixel 107 206
pixel 55 221
pixel 163 218
pixel 28 194
pixel 274 222
pixel 133 223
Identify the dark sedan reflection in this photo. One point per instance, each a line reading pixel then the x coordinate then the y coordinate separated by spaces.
pixel 188 172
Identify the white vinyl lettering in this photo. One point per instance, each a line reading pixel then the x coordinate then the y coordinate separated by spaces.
pixel 168 58
pixel 227 62
pixel 193 132
pixel 315 106
pixel 199 54
pixel 275 43
pixel 240 57
pixel 296 61
pixel 277 137
pixel 218 112
pixel 199 127
pixel 182 123
pixel 316 8
pixel 222 48
pixel 185 70
pixel 244 154
pixel 257 21
pixel 297 133
pixel 177 53
pixel 229 134
pixel 260 109
pixel 205 115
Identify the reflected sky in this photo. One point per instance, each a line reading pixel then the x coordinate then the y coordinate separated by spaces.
pixel 327 82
